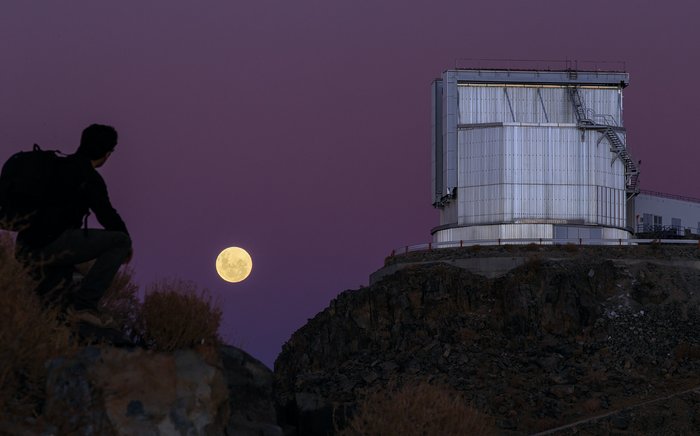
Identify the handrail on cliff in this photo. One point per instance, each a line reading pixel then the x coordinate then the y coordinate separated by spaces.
pixel 538 241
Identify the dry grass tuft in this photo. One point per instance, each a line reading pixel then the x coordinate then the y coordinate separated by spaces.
pixel 176 314
pixel 571 247
pixel 121 302
pixel 416 410
pixel 29 336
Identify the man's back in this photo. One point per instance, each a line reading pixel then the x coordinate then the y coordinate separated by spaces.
pixel 77 189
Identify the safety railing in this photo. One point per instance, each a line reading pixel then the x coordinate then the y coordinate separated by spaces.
pixel 539 241
pixel 660 231
pixel 600 119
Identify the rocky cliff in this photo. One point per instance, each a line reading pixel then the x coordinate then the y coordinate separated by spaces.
pixel 103 390
pixel 600 338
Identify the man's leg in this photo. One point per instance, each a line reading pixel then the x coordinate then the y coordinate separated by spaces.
pixel 109 249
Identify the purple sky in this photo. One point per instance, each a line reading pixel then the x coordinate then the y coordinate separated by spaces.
pixel 300 130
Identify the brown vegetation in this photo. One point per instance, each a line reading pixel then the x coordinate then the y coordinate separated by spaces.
pixel 122 303
pixel 417 409
pixel 29 336
pixel 176 314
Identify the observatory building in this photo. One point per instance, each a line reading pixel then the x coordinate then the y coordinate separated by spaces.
pixel 520 154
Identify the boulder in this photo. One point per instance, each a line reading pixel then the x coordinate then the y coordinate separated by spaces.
pixel 106 390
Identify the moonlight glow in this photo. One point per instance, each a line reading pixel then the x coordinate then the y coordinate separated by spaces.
pixel 234 264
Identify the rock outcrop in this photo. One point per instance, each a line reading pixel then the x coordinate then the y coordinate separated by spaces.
pixel 573 335
pixel 251 399
pixel 106 390
pixel 103 390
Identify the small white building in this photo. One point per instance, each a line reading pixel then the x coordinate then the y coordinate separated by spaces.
pixel 656 212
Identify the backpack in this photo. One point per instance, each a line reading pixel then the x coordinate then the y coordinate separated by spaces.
pixel 27 185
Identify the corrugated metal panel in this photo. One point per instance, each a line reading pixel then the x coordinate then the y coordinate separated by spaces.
pixel 558 105
pixel 517 172
pixel 483 104
pixel 450 114
pixel 615 233
pixel 481 153
pixel 601 102
pixel 533 104
pixel 438 161
pixel 495 232
pixel 448 214
pixel 529 231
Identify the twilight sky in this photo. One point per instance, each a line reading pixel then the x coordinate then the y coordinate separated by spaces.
pixel 300 130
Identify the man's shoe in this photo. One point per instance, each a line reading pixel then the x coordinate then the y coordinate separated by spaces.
pixel 91 317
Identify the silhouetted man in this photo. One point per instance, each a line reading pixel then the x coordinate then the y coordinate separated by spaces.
pixel 54 242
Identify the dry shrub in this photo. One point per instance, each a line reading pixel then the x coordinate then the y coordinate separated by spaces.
pixel 29 336
pixel 121 302
pixel 176 314
pixel 12 273
pixel 417 409
pixel 531 270
pixel 570 247
pixel 511 247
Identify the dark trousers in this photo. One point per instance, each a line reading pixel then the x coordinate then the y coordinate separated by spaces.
pixel 54 264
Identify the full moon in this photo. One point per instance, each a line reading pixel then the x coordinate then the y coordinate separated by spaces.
pixel 234 264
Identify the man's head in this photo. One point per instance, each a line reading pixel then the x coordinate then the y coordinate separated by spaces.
pixel 97 142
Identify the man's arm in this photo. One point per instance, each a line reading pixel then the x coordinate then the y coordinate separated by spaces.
pixel 106 214
pixel 98 201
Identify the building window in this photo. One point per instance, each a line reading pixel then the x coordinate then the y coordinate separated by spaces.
pixel 676 225
pixel 658 223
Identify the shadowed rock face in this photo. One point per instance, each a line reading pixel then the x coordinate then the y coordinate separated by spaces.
pixel 105 390
pixel 250 394
pixel 553 341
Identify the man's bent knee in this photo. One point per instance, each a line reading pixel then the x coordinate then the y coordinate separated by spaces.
pixel 122 244
pixel 122 240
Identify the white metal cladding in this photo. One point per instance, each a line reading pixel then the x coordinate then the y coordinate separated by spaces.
pixel 612 233
pixel 450 119
pixel 494 232
pixel 479 103
pixel 527 231
pixel 437 142
pixel 448 214
pixel 519 173
pixel 601 102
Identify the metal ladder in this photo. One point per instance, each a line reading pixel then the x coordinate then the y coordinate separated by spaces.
pixel 607 128
pixel 581 118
